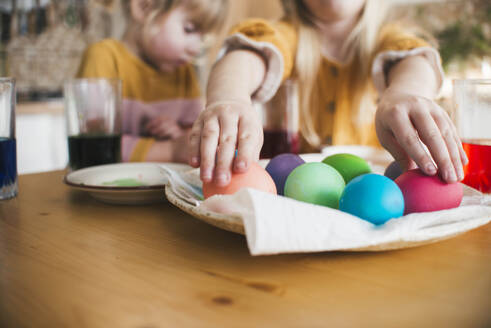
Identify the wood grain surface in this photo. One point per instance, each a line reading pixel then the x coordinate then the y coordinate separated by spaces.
pixel 67 260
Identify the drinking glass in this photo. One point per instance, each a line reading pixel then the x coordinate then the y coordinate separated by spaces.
pixel 472 117
pixel 93 118
pixel 8 151
pixel 281 121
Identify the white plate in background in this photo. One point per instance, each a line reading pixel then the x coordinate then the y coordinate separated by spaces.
pixel 123 183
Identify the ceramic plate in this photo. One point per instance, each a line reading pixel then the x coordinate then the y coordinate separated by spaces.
pixel 123 183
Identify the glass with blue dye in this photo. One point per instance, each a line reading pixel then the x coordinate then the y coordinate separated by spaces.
pixel 8 153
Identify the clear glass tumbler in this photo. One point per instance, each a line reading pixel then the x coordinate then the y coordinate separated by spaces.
pixel 93 118
pixel 8 151
pixel 472 116
pixel 281 121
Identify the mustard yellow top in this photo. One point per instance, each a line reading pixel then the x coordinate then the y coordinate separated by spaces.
pixel 333 119
pixel 147 92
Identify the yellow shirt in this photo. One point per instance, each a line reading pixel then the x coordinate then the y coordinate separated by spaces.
pixel 333 114
pixel 147 92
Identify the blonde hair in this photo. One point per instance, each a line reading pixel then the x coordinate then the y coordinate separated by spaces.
pixel 360 45
pixel 207 15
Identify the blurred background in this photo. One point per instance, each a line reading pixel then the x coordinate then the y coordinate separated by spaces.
pixel 41 43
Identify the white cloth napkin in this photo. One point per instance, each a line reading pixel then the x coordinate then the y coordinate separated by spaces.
pixel 276 224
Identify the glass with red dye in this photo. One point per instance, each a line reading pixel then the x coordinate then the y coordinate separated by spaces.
pixel 472 117
pixel 280 121
pixel 478 171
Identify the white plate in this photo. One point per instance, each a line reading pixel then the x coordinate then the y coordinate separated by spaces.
pixel 123 183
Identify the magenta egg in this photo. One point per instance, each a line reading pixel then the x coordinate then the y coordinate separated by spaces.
pixel 424 193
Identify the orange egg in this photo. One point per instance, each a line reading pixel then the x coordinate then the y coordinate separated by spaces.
pixel 256 178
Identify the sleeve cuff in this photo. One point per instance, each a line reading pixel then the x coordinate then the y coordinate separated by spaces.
pixel 384 58
pixel 274 62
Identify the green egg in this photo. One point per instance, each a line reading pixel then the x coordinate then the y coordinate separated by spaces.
pixel 348 165
pixel 315 183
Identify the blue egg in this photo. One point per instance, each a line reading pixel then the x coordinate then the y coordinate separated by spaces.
pixel 372 197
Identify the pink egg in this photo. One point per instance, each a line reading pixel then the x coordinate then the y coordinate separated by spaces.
pixel 424 193
pixel 256 178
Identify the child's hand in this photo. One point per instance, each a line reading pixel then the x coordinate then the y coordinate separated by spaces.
pixel 404 120
pixel 218 131
pixel 163 127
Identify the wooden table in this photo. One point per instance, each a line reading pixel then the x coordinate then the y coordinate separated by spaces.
pixel 67 260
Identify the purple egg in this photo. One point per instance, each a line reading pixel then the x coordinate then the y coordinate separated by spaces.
pixel 280 166
pixel 393 171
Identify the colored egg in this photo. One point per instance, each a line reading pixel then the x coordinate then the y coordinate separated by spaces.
pixel 372 197
pixel 348 165
pixel 393 171
pixel 425 193
pixel 315 183
pixel 255 177
pixel 280 166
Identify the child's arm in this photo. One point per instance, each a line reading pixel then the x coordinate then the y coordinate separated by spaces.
pixel 172 150
pixel 229 121
pixel 407 114
pixel 140 149
pixel 164 127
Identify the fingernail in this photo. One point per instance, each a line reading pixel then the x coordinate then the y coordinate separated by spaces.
pixel 222 178
pixel 430 168
pixel 466 160
pixel 461 174
pixel 206 176
pixel 194 161
pixel 450 176
pixel 240 165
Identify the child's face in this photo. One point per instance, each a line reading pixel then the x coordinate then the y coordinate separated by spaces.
pixel 171 41
pixel 334 10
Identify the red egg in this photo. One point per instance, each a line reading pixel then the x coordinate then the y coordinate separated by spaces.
pixel 256 177
pixel 424 193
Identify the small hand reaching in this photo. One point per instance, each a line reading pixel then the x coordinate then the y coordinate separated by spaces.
pixel 219 130
pixel 163 127
pixel 405 122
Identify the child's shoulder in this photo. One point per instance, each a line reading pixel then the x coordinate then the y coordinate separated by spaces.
pixel 259 26
pixel 102 59
pixel 105 46
pixel 397 37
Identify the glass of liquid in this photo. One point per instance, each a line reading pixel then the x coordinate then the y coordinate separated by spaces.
pixel 8 151
pixel 472 116
pixel 93 118
pixel 281 122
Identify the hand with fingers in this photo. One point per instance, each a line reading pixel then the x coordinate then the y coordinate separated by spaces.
pixel 229 122
pixel 406 124
pixel 220 130
pixel 163 127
